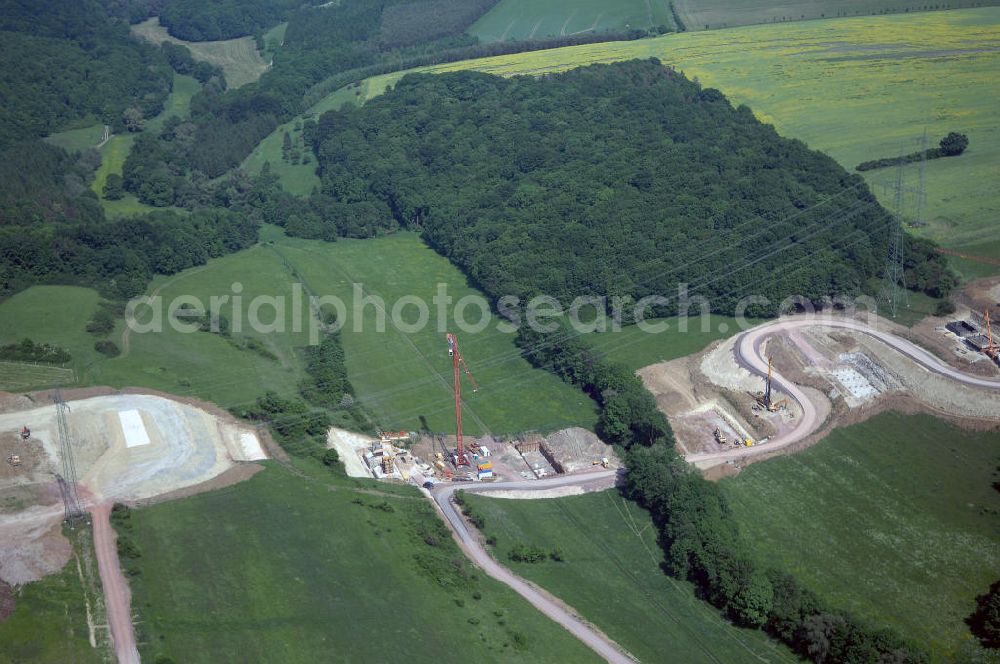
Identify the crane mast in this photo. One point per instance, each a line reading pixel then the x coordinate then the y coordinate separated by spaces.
pixel 458 366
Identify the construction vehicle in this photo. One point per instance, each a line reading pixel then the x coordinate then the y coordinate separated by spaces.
pixel 459 365
pixel 14 460
pixel 603 462
pixel 748 443
pixel 764 398
pixel 720 436
pixel 990 349
pixel 25 433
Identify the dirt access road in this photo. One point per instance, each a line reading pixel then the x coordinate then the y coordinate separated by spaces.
pixel 749 355
pixel 541 600
pixel 116 593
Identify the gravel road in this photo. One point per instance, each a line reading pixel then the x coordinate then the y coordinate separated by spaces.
pixel 541 600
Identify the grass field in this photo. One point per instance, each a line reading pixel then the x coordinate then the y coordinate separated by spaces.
pixel 636 348
pixel 400 377
pixel 284 569
pixel 75 140
pixel 611 575
pixel 714 14
pixel 238 58
pixel 857 88
pixel 299 179
pixel 405 379
pixel 113 156
pixel 55 315
pixel 537 19
pixel 49 623
pixel 894 519
pixel 178 103
pixel 273 39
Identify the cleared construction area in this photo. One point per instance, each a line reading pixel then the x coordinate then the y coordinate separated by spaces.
pixel 842 370
pixel 125 447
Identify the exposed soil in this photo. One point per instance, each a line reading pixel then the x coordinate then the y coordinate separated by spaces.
pixel 845 374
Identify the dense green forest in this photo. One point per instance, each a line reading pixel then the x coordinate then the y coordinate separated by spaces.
pixel 324 48
pixel 610 180
pixel 68 62
pixel 197 20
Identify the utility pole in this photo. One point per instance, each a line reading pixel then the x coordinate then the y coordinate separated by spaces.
pixel 894 281
pixel 67 481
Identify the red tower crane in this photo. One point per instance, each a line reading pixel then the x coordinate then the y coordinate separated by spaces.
pixel 458 362
pixel 991 349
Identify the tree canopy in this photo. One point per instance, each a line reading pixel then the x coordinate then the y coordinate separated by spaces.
pixel 622 179
pixel 65 62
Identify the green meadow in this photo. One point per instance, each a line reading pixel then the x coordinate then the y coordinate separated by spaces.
pixel 291 567
pixel 895 520
pixel 611 575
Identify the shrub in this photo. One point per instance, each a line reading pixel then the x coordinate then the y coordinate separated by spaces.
pixel 107 347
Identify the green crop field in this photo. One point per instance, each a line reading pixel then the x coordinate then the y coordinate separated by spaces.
pixel 537 19
pixel 894 519
pixel 238 58
pixel 714 14
pixel 75 140
pixel 611 576
pixel 284 568
pixel 857 88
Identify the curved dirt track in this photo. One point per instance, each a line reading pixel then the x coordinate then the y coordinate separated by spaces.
pixel 541 600
pixel 749 356
pixel 116 592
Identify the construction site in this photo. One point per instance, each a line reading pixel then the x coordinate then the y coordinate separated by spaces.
pixel 66 453
pixel 723 413
pixel 426 459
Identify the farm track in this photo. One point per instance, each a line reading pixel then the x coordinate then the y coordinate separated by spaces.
pixel 539 598
pixel 117 597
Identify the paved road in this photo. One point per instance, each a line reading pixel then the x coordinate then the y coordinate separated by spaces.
pixel 749 355
pixel 116 592
pixel 541 600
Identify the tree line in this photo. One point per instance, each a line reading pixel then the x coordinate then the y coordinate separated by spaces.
pixel 324 49
pixel 951 145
